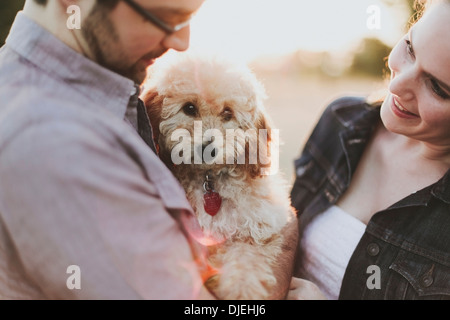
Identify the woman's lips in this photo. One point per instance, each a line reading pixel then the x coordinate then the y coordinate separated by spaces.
pixel 400 111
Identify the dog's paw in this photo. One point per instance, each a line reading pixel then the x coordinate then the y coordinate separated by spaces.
pixel 212 283
pixel 245 273
pixel 253 287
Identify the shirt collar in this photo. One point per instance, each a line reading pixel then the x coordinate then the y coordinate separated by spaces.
pixel 40 47
pixel 442 188
pixel 349 112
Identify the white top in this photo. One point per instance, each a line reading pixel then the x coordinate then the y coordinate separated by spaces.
pixel 328 243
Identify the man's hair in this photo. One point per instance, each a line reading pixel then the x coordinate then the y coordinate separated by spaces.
pixel 108 4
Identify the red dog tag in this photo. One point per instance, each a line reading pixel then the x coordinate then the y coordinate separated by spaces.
pixel 212 202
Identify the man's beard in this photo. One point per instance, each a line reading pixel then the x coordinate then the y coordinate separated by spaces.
pixel 102 39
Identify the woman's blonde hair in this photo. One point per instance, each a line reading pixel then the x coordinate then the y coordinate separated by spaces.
pixel 420 6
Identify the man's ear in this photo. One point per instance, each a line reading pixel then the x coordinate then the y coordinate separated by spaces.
pixel 67 3
pixel 80 3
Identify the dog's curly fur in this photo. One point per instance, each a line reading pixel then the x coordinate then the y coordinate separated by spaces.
pixel 255 207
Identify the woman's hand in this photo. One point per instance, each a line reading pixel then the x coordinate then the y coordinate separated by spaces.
pixel 301 289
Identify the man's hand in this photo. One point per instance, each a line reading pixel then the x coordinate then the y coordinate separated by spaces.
pixel 304 290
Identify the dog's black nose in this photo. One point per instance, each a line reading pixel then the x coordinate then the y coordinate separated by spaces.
pixel 211 152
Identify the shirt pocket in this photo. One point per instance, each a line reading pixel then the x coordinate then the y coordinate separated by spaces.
pixel 415 276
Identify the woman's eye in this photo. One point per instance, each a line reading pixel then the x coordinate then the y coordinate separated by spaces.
pixel 438 90
pixel 409 48
pixel 190 109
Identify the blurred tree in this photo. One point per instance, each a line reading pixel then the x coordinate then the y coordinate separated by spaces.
pixel 8 11
pixel 370 59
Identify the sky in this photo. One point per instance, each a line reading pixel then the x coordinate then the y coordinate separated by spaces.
pixel 247 29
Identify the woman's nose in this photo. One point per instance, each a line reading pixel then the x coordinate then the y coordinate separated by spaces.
pixel 403 76
pixel 403 84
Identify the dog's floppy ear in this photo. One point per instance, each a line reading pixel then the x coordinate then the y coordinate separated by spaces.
pixel 153 103
pixel 263 123
pixel 264 137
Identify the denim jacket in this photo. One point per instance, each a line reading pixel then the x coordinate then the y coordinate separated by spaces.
pixel 405 250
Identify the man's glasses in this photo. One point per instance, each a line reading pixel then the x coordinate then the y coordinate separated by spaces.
pixel 155 20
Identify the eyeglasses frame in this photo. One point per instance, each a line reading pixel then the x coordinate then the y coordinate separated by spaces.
pixel 155 20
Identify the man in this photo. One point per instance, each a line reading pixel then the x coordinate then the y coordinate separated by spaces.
pixel 87 210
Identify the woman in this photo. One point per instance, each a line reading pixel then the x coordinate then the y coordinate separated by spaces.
pixel 373 183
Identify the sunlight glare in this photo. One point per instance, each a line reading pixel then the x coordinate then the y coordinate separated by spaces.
pixel 246 29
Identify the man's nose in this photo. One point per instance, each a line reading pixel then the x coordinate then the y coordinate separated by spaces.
pixel 179 40
pixel 212 149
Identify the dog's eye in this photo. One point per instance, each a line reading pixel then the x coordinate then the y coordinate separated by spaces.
pixel 227 114
pixel 190 109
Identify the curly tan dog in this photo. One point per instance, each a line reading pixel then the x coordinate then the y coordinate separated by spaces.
pixel 195 105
